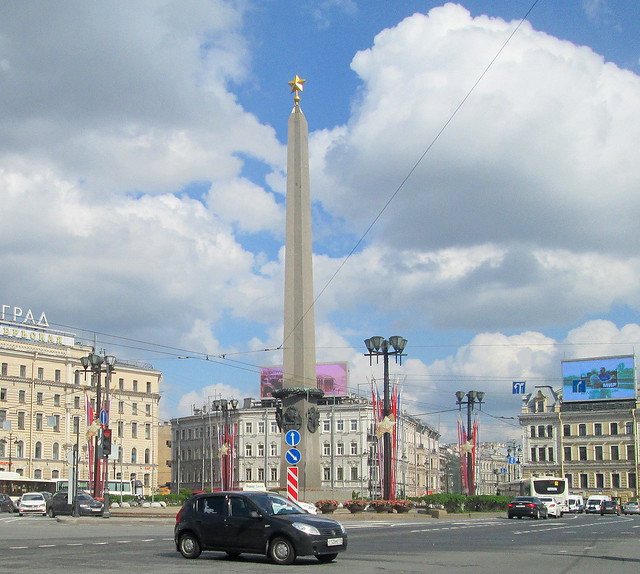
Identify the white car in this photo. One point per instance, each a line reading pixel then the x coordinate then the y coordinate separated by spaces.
pixel 32 503
pixel 553 508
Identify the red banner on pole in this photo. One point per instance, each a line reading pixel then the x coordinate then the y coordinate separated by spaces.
pixel 292 483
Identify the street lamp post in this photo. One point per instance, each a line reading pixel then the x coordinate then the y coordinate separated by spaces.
pixel 376 347
pixel 473 397
pixel 10 442
pixel 98 364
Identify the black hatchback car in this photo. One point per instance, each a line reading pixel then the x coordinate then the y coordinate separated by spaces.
pixel 255 523
pixel 530 506
pixel 6 504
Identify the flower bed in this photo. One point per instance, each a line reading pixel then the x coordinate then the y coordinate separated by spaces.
pixel 326 506
pixel 355 505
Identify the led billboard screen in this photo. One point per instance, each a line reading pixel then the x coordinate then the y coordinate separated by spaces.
pixel 599 379
pixel 331 378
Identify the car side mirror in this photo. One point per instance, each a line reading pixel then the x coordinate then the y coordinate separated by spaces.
pixel 254 514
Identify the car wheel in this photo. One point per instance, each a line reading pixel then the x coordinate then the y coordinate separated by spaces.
pixel 51 513
pixel 519 517
pixel 327 557
pixel 510 517
pixel 281 551
pixel 537 515
pixel 189 546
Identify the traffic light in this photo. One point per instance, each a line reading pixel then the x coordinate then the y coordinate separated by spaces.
pixel 106 442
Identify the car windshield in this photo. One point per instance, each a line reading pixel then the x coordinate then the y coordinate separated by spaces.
pixel 272 504
pixel 32 496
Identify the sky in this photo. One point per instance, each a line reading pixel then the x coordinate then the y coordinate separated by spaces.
pixel 474 176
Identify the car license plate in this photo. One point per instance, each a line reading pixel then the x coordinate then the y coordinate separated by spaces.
pixel 334 542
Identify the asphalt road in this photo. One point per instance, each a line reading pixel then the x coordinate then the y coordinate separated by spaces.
pixel 415 544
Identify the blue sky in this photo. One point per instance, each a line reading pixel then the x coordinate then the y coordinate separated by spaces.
pixel 143 164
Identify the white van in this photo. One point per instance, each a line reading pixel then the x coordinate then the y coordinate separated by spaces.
pixel 594 502
pixel 575 503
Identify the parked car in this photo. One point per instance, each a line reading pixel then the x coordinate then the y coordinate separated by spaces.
pixel 255 523
pixel 631 507
pixel 6 504
pixel 610 507
pixel 530 506
pixel 32 503
pixel 553 508
pixel 594 502
pixel 87 505
pixel 576 504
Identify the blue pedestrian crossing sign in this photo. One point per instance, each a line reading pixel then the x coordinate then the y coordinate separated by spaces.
pixel 292 438
pixel 293 456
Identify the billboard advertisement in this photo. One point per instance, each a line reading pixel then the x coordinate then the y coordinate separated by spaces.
pixel 599 379
pixel 331 378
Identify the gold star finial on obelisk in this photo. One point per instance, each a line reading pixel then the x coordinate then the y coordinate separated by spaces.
pixel 297 86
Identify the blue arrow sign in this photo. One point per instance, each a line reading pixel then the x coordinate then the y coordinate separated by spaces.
pixel 104 417
pixel 518 387
pixel 292 438
pixel 293 456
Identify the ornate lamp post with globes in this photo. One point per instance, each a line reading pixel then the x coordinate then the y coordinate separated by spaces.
pixel 381 347
pixel 473 397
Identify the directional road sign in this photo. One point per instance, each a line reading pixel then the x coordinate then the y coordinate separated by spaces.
pixel 293 456
pixel 292 437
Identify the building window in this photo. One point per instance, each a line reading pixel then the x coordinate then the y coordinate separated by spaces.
pixel 615 480
pixel 21 415
pixel 631 452
pixel 542 455
pixel 56 400
pixel 135 386
pixel 583 452
pixel 76 402
pixel 134 408
pixel 261 475
pixel 340 449
pixel 569 478
pixel 148 388
pixel 120 407
pixel 354 473
pixel 326 473
pixel 614 428
pixel 550 431
pixel 354 424
pixel 248 449
pixel 134 455
pixel 37 474
pixel 23 371
pixel 121 384
pixel 550 453
pixel 340 426
pixel 615 452
pixel 584 481
pixel 76 425
pixel 274 427
pixel 39 421
pixel 147 409
pixel 326 449
pixel 566 430
pixel 354 448
pixel 598 453
pixel 628 427
pixel 5 369
pixel 261 427
pixel 40 373
pixel 248 427
pixel 260 449
pixel 273 474
pixel 597 429
pixel 582 430
pixel 57 375
pixel 56 423
pixel 541 430
pixel 326 426
pixel 39 398
pixel 55 451
pixel 120 429
pixel 599 480
pixel 631 480
pixel 147 456
pixel 22 397
pixel 147 431
pixel 38 450
pixel 534 455
pixel 248 474
pixel 134 430
pixel 3 394
pixel 3 416
pixel 273 449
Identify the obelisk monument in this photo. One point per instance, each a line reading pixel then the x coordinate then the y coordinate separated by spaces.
pixel 299 392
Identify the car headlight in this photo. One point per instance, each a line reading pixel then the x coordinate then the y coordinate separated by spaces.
pixel 306 528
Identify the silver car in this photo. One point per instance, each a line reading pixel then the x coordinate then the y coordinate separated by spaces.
pixel 631 507
pixel 32 503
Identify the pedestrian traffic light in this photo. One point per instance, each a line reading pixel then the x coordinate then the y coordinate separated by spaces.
pixel 106 442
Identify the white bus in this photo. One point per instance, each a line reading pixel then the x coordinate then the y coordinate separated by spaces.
pixel 553 486
pixel 15 485
pixel 116 487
